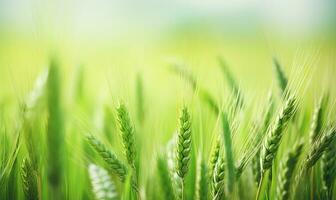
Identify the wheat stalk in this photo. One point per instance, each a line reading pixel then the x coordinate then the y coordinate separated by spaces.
pixel 273 138
pixel 184 143
pixel 183 149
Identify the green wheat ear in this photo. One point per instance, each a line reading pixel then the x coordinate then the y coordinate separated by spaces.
pixel 127 134
pixel 103 187
pixel 256 168
pixel 114 164
pixel 232 82
pixel 29 181
pixel 191 80
pixel 281 77
pixel 273 138
pixel 329 168
pixel 316 123
pixel 184 143
pixel 319 147
pixel 287 172
pixel 218 191
pixel 214 158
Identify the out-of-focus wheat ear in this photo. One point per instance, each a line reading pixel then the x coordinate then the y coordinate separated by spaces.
pixel 205 96
pixel 214 157
pixel 256 168
pixel 103 187
pixel 184 72
pixel 316 123
pixel 127 134
pixel 201 188
pixel 172 166
pixel 287 171
pixel 140 103
pixel 231 81
pixel 55 128
pixel 252 152
pixel 329 169
pixel 228 152
pixel 184 143
pixel 275 133
pixel 165 180
pixel 114 164
pixel 31 113
pixel 319 147
pixel 281 76
pixel 210 101
pixel 29 181
pixel 218 189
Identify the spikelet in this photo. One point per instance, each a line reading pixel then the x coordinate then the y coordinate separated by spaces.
pixel 29 181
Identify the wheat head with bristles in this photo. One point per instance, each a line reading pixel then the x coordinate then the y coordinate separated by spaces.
pixel 329 168
pixel 275 133
pixel 114 164
pixel 29 181
pixel 319 147
pixel 127 134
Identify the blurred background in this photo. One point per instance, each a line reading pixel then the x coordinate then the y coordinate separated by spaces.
pixel 115 40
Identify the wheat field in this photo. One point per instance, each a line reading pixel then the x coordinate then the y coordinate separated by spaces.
pixel 167 100
pixel 239 143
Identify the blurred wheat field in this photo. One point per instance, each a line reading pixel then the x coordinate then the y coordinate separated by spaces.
pixel 189 111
